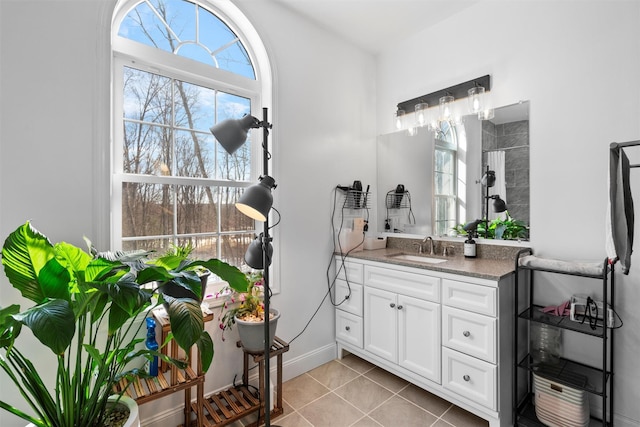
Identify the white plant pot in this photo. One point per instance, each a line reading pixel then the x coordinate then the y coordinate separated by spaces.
pixel 134 415
pixel 252 333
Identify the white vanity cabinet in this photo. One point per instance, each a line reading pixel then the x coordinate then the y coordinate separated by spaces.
pixel 447 333
pixel 402 319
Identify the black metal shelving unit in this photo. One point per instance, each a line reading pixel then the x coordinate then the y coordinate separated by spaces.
pixel 594 380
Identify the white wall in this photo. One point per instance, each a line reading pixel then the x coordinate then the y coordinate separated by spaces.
pixel 578 63
pixel 54 108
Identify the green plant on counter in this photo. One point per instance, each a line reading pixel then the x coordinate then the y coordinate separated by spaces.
pixel 89 308
pixel 500 229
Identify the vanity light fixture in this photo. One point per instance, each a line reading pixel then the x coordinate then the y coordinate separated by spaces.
pixel 449 101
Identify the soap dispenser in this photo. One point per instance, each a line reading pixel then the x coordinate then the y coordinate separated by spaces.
pixel 470 246
pixel 152 344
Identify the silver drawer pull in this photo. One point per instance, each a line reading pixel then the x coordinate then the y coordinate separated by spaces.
pixel 466 378
pixel 392 305
pixel 466 333
pixel 399 307
pixel 348 328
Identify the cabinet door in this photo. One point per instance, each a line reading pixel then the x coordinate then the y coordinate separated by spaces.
pixel 419 336
pixel 380 323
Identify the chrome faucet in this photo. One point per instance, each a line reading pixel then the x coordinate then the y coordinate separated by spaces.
pixel 430 239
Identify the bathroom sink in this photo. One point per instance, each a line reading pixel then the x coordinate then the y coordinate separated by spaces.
pixel 417 258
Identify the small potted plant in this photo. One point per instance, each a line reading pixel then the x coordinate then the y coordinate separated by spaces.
pixel 246 310
pixel 88 310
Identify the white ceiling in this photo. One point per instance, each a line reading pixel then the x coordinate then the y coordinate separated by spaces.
pixel 376 24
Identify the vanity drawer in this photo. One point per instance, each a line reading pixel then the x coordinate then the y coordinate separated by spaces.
pixel 353 304
pixel 469 296
pixel 470 333
pixel 470 377
pixel 351 271
pixel 349 328
pixel 403 282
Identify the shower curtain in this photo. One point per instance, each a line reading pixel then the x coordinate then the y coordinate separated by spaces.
pixel 495 160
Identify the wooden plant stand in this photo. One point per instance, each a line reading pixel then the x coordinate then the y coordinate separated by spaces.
pixel 234 403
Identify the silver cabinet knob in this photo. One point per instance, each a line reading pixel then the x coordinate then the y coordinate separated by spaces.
pixel 348 328
pixel 466 333
pixel 399 307
pixel 392 305
pixel 466 378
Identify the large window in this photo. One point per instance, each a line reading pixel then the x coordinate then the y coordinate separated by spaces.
pixel 178 69
pixel 445 191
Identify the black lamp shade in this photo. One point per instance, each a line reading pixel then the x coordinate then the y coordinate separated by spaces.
pixel 232 133
pixel 254 257
pixel 257 200
pixel 488 179
pixel 499 205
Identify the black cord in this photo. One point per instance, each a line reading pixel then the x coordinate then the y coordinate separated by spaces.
pixel 332 280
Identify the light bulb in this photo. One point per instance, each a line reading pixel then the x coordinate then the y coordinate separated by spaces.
pixel 421 113
pixel 476 95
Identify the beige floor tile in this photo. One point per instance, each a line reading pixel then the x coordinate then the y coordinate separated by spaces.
pixel 441 423
pixel 461 418
pixel 366 422
pixel 386 379
pixel 292 420
pixel 430 402
pixel 363 393
pixel 301 390
pixel 331 411
pixel 357 364
pixel 400 412
pixel 333 374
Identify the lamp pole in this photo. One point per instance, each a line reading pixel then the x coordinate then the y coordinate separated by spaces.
pixel 486 205
pixel 266 239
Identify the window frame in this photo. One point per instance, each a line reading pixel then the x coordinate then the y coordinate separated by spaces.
pixel 128 53
pixel 450 146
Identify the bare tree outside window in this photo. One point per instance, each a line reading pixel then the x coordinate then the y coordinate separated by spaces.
pixel 178 185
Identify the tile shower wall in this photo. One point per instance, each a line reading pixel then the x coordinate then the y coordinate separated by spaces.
pixel 514 139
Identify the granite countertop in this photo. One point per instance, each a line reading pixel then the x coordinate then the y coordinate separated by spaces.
pixel 493 262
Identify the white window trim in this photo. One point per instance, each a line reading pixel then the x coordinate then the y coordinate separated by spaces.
pixel 123 50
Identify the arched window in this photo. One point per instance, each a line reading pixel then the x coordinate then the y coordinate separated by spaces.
pixel 180 67
pixel 445 189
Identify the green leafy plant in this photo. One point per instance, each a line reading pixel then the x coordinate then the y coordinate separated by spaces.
pixel 245 305
pixel 89 308
pixel 500 228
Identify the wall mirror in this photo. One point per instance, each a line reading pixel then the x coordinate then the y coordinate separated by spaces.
pixel 428 184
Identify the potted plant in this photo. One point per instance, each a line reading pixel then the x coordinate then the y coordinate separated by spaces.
pixel 246 310
pixel 500 228
pixel 88 309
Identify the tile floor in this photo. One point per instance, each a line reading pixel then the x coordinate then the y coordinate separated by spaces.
pixel 353 392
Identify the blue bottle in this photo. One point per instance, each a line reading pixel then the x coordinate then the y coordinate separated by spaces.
pixel 152 344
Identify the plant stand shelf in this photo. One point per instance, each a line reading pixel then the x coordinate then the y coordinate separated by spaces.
pixel 170 379
pixel 234 403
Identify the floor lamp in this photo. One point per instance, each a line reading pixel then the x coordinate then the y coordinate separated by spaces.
pixel 255 202
pixel 489 180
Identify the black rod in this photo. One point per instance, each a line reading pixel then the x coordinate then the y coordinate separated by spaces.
pixel 624 144
pixel 265 264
